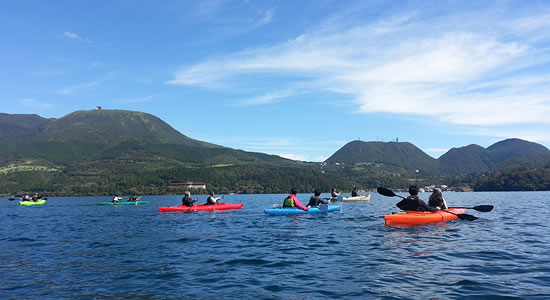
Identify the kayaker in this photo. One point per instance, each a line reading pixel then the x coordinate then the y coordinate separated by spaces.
pixel 437 200
pixel 354 192
pixel 133 198
pixel 36 197
pixel 212 199
pixel 292 201
pixel 413 202
pixel 26 197
pixel 186 200
pixel 334 195
pixel 316 199
pixel 116 199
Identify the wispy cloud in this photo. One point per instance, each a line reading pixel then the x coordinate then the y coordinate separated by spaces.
pixel 35 104
pixel 269 97
pixel 484 72
pixel 73 36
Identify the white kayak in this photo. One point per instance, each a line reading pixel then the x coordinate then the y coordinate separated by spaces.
pixel 358 198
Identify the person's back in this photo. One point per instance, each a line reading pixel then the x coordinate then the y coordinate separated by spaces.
pixel 316 199
pixel 354 193
pixel 186 200
pixel 436 200
pixel 413 202
pixel 292 201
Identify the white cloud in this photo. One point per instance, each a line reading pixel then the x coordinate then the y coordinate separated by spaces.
pixel 483 72
pixel 269 98
pixel 74 36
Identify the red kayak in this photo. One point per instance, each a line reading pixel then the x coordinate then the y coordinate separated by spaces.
pixel 219 206
pixel 417 217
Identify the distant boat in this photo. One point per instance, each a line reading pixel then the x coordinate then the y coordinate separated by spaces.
pixel 358 198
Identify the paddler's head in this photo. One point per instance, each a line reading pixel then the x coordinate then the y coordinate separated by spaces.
pixel 294 191
pixel 413 190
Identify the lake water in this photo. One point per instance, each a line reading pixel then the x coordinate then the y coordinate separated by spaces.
pixel 72 248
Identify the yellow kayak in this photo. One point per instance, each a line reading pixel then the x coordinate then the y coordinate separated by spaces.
pixel 27 203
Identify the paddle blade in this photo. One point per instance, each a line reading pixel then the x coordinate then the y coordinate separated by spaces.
pixel 466 217
pixel 386 192
pixel 483 208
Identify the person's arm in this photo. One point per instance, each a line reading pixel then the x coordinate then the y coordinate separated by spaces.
pixel 401 204
pixel 426 207
pixel 299 205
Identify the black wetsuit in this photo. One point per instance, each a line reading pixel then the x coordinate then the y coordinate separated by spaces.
pixel 187 201
pixel 316 200
pixel 415 204
pixel 436 201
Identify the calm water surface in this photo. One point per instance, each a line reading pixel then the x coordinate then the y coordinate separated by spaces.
pixel 72 248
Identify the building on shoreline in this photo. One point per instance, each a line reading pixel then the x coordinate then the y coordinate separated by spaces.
pixel 189 184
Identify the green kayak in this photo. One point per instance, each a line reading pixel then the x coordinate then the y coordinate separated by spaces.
pixel 124 203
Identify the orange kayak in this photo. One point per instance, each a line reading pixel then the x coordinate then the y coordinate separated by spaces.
pixel 418 217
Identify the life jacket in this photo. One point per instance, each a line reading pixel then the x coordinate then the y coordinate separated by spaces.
pixel 289 201
pixel 410 203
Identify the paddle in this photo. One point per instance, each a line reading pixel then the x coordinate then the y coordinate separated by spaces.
pixel 386 192
pixel 482 208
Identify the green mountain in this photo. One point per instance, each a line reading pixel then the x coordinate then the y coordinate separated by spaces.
pixel 471 159
pixel 110 135
pixel 16 128
pixel 109 152
pixel 465 160
pixel 113 151
pixel 476 159
pixel 399 154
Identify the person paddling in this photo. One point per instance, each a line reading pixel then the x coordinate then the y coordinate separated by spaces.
pixel 133 198
pixel 413 202
pixel 292 201
pixel 334 195
pixel 36 197
pixel 26 197
pixel 436 200
pixel 354 192
pixel 116 199
pixel 186 200
pixel 316 199
pixel 212 199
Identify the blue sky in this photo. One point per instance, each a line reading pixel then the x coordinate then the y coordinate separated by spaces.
pixel 295 78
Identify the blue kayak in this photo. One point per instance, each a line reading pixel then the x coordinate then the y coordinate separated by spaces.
pixel 297 211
